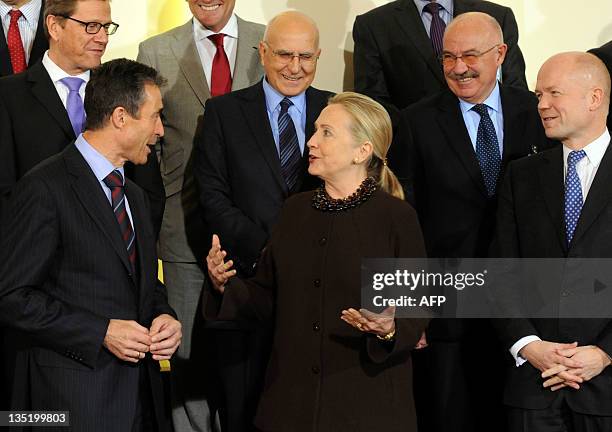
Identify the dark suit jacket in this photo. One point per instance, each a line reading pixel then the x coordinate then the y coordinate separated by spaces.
pixel 530 224
pixel 34 125
pixel 604 52
pixel 395 62
pixel 238 171
pixel 40 45
pixel 64 273
pixel 434 159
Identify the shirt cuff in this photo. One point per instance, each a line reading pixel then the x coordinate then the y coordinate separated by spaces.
pixel 519 345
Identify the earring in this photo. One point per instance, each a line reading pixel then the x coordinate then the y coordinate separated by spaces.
pixel 355 161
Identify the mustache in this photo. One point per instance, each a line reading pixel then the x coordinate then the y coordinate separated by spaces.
pixel 464 75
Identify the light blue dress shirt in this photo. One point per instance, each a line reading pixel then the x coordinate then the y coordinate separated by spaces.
pixel 446 13
pixel 472 118
pixel 297 112
pixel 101 167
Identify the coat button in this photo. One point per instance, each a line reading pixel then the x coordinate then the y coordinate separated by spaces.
pixel 316 327
pixel 317 282
pixel 323 241
pixel 316 370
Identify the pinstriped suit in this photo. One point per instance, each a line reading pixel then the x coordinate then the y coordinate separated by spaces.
pixel 64 272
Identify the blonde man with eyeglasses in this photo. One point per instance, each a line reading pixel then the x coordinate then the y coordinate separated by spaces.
pixel 448 153
pixel 249 158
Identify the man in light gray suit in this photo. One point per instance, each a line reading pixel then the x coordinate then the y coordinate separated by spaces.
pixel 188 58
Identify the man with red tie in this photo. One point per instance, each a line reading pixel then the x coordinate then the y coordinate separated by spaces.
pixel 22 41
pixel 208 56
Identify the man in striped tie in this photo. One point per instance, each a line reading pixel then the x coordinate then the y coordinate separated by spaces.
pixel 78 268
pixel 249 158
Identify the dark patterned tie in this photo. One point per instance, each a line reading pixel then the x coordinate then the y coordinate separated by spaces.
pixel 114 181
pixel 220 75
pixel 289 146
pixel 573 194
pixel 436 31
pixel 487 149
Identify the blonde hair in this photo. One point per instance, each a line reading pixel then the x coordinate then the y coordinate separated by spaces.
pixel 371 123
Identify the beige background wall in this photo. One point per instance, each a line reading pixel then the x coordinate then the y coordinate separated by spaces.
pixel 545 27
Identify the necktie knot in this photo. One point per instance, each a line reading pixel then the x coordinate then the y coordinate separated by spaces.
pixel 73 83
pixel 574 157
pixel 217 39
pixel 114 180
pixel 15 14
pixel 285 104
pixel 433 7
pixel 481 109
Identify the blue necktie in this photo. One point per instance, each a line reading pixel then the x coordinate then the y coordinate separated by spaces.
pixel 573 194
pixel 288 145
pixel 487 149
pixel 74 104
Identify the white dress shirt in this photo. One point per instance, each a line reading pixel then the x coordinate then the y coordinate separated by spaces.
pixel 28 23
pixel 207 49
pixel 56 73
pixel 586 169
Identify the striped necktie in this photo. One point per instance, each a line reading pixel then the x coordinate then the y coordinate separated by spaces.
pixel 289 147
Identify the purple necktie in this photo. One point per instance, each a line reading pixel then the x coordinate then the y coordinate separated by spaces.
pixel 74 104
pixel 436 31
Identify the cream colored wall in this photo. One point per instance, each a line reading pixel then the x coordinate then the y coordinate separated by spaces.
pixel 545 27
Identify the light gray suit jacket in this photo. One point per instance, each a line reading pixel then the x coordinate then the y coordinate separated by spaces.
pixel 175 56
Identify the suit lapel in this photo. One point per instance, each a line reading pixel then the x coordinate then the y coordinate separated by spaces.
pixel 247 69
pixel 95 203
pixel 254 111
pixel 598 197
pixel 44 90
pixel 457 137
pixel 551 183
pixel 410 22
pixel 184 50
pixel 137 207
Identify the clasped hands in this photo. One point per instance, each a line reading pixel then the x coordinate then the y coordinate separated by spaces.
pixel 129 341
pixel 565 365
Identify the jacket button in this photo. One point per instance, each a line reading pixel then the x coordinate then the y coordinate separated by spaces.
pixel 317 282
pixel 323 241
pixel 316 370
pixel 316 327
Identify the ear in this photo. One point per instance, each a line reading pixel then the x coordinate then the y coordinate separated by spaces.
pixel 365 151
pixel 596 98
pixel 262 51
pixel 54 26
pixel 501 52
pixel 119 117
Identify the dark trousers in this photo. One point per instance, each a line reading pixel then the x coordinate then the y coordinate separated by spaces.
pixel 556 418
pixel 144 418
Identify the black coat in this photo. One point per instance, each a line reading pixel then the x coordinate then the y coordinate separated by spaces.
pixel 604 52
pixel 35 125
pixel 64 273
pixel 394 60
pixel 324 375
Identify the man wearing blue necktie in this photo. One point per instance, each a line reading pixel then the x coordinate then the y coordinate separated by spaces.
pixel 557 204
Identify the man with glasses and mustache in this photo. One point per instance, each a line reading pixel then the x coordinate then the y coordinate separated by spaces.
pixel 249 158
pixel 448 153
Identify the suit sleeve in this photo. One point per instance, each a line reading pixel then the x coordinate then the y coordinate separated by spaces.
pixel 368 68
pixel 241 237
pixel 404 158
pixel 513 68
pixel 8 170
pixel 30 247
pixel 409 244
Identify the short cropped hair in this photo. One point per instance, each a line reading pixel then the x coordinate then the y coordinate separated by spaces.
pixel 60 8
pixel 117 83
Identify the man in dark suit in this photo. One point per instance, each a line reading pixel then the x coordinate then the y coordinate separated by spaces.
pixel 23 21
pixel 448 153
pixel 250 157
pixel 604 53
pixel 557 205
pixel 79 268
pixel 396 61
pixel 36 117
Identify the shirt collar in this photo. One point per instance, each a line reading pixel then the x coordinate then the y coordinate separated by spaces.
pixel 594 150
pixel 446 4
pixel 57 73
pixel 493 101
pixel 231 29
pixel 100 166
pixel 30 10
pixel 274 98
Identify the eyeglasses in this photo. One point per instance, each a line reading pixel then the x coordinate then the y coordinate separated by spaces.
pixel 94 27
pixel 286 57
pixel 470 58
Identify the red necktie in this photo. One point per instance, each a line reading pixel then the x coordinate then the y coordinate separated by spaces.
pixel 221 77
pixel 15 46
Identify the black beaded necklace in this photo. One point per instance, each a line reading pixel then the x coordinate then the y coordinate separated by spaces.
pixel 322 201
